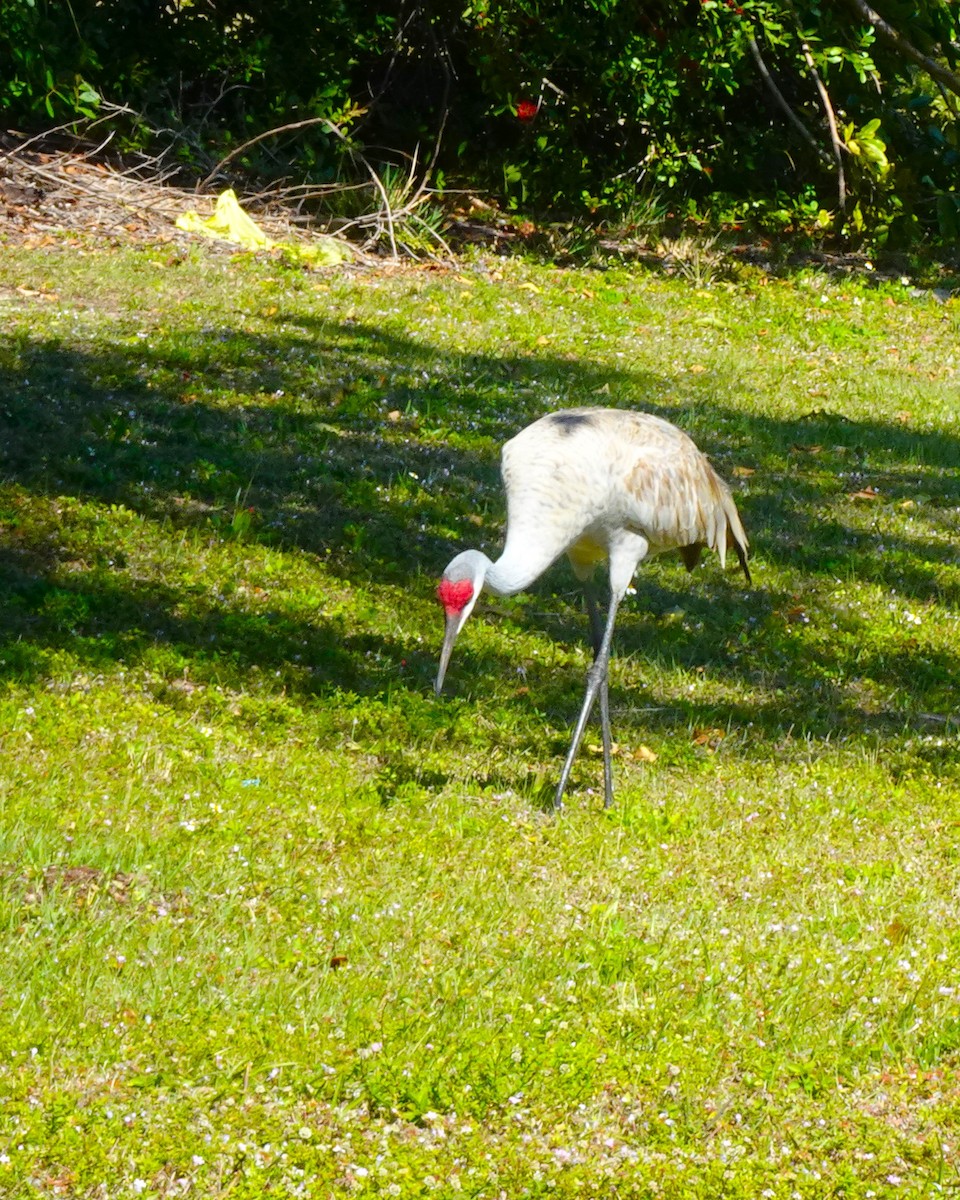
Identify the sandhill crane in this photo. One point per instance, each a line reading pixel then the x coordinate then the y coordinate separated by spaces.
pixel 595 484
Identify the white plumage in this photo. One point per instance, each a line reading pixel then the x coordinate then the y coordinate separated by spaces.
pixel 596 484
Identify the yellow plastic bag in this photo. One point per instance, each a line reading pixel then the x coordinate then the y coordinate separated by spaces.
pixel 230 223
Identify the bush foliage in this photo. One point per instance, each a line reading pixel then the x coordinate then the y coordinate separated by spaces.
pixel 838 117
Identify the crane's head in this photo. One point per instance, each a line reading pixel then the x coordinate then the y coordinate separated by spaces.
pixel 458 591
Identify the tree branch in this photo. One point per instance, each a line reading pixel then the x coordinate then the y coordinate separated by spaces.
pixel 782 102
pixel 832 123
pixel 892 37
pixel 269 133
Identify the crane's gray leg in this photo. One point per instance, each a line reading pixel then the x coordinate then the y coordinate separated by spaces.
pixel 596 681
pixel 596 632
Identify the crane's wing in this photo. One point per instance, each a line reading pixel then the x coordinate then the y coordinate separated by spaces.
pixel 575 477
pixel 677 500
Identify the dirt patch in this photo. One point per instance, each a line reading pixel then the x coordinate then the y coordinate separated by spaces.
pixel 86 884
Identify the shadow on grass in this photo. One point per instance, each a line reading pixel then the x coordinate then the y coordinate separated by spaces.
pixel 347 442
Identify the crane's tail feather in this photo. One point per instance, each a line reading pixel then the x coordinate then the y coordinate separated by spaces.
pixel 736 537
pixel 730 533
pixel 742 556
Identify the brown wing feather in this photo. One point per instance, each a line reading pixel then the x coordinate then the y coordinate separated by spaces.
pixel 685 503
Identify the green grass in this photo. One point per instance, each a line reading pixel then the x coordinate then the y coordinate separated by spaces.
pixel 278 922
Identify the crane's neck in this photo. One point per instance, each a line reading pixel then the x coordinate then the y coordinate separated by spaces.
pixel 514 570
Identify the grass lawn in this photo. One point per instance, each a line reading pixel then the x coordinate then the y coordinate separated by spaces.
pixel 276 921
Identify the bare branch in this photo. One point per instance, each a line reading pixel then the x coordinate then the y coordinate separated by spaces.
pixel 782 102
pixel 262 137
pixel 832 123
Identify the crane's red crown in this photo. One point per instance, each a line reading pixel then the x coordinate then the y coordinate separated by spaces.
pixel 454 595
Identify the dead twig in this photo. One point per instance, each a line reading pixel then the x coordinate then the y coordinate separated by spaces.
pixel 262 137
pixel 76 193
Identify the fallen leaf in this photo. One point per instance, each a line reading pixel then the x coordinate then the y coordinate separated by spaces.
pixel 644 754
pixel 529 287
pixel 744 472
pixel 708 737
pixel 40 294
pixel 697 369
pixel 338 961
pixel 816 449
pixel 867 493
pixel 593 748
pixel 897 931
pixel 394 415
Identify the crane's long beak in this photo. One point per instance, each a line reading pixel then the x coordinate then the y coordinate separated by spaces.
pixel 454 625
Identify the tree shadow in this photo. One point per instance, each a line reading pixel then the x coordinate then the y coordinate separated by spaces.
pixel 345 442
